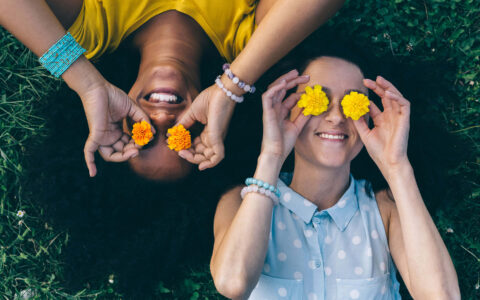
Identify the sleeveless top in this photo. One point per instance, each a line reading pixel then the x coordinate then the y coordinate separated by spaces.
pixel 337 253
pixel 103 24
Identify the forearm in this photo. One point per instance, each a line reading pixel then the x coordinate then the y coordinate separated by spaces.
pixel 237 262
pixel 33 23
pixel 285 25
pixel 430 267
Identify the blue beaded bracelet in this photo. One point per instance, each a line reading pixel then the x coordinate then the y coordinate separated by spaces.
pixel 258 182
pixel 61 55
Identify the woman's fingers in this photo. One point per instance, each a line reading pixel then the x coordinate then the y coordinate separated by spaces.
pixel 402 103
pixel 300 122
pixel 387 105
pixel 387 85
pixel 137 114
pixel 287 77
pixel 299 80
pixel 374 110
pixel 89 153
pixel 374 87
pixel 362 128
pixel 289 103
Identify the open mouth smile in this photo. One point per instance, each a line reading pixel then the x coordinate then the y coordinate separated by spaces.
pixel 337 137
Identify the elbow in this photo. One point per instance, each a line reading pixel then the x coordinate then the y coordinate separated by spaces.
pixel 229 284
pixel 232 288
pixel 445 293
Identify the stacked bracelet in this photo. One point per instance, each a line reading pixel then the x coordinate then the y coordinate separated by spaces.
pixel 244 86
pixel 238 99
pixel 258 182
pixel 260 190
pixel 61 55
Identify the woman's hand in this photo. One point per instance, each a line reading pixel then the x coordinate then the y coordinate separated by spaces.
pixel 105 108
pixel 279 132
pixel 213 109
pixel 387 141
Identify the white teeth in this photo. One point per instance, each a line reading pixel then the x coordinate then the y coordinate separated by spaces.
pixel 332 136
pixel 163 97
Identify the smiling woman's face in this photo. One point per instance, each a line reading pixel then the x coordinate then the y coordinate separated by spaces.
pixel 164 93
pixel 330 139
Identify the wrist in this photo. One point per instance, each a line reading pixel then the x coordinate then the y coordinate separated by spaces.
pixel 229 85
pixel 268 168
pixel 398 171
pixel 82 76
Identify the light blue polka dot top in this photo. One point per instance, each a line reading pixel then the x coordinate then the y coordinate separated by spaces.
pixel 337 253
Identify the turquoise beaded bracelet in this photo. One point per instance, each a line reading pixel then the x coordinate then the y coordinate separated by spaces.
pixel 258 182
pixel 61 55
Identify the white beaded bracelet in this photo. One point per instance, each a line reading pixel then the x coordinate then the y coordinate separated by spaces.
pixel 238 99
pixel 253 188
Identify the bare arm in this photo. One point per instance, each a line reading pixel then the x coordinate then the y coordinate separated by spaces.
pixel 285 25
pixel 241 242
pixel 415 244
pixel 242 227
pixel 34 24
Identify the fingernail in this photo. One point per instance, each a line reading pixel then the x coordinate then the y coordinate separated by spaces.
pixel 305 76
pixel 181 155
pixel 135 155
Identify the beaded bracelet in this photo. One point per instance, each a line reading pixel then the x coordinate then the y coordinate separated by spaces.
pixel 254 181
pixel 61 55
pixel 244 86
pixel 256 189
pixel 238 99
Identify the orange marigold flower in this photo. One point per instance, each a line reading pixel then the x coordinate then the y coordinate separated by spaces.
pixel 179 138
pixel 142 133
pixel 355 105
pixel 314 101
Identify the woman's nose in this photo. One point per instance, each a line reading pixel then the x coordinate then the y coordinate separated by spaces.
pixel 334 114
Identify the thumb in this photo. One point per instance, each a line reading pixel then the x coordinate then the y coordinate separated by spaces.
pixel 137 115
pixel 362 128
pixel 187 119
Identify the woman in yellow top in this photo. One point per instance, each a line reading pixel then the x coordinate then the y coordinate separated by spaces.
pixel 172 36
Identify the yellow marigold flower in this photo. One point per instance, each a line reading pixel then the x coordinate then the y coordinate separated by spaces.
pixel 355 105
pixel 142 133
pixel 314 101
pixel 179 138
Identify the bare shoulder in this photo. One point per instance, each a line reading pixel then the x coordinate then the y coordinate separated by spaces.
pixel 386 206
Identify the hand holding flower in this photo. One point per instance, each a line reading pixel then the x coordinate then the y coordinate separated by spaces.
pixel 105 108
pixel 213 109
pixel 279 132
pixel 387 142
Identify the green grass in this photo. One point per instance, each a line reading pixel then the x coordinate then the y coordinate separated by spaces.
pixel 78 239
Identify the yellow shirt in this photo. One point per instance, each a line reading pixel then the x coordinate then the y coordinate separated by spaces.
pixel 103 24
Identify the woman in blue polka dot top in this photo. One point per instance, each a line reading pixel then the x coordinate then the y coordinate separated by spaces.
pixel 330 236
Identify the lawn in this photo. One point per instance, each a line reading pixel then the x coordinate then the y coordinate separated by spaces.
pixel 118 237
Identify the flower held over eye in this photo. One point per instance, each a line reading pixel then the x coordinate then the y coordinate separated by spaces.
pixel 355 105
pixel 179 138
pixel 142 133
pixel 314 101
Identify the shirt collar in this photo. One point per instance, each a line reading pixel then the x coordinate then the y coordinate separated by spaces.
pixel 341 213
